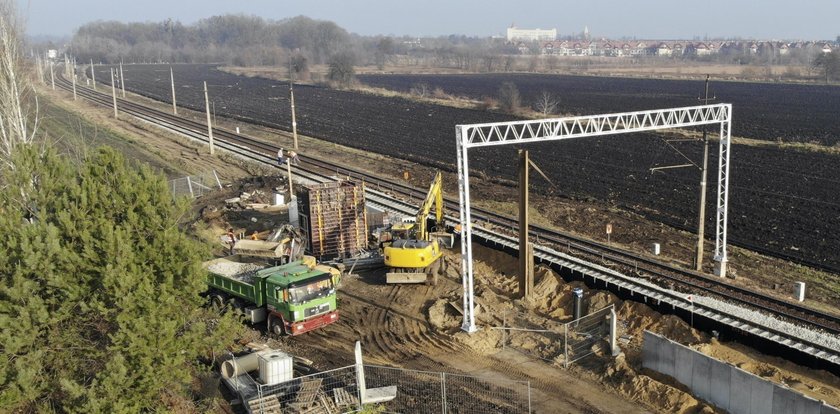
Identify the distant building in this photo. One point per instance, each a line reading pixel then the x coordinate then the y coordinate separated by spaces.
pixel 514 33
pixel 52 54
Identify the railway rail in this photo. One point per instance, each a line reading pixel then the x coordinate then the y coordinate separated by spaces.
pixel 555 247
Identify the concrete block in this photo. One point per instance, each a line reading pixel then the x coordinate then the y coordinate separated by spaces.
pixel 683 362
pixel 720 384
pixel 784 400
pixel 761 395
pixel 827 409
pixel 701 376
pixel 740 399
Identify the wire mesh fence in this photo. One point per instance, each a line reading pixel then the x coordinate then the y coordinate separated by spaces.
pixel 388 390
pixel 195 186
pixel 439 392
pixel 554 342
pixel 334 391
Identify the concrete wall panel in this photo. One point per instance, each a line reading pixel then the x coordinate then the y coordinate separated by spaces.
pixel 827 409
pixel 683 362
pixel 805 405
pixel 701 376
pixel 667 352
pixel 761 395
pixel 721 384
pixel 784 400
pixel 740 399
pixel 650 350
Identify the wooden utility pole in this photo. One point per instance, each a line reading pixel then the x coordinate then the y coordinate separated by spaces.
pixel 93 74
pixel 209 125
pixel 292 98
pixel 52 74
pixel 172 78
pixel 289 171
pixel 526 249
pixel 122 80
pixel 114 92
pixel 701 221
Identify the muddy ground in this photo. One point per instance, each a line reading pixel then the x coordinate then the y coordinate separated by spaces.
pixel 414 327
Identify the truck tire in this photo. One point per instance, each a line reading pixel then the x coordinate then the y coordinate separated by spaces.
pixel 217 303
pixel 276 326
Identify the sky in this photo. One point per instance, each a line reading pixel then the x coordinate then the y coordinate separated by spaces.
pixel 641 19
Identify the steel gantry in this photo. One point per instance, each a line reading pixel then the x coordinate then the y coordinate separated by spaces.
pixel 523 132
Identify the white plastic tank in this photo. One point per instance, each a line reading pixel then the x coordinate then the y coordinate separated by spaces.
pixel 276 367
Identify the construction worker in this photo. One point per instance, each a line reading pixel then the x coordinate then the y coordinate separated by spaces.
pixel 231 239
pixel 294 157
pixel 255 236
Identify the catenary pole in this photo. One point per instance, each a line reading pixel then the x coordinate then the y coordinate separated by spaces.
pixel 122 80
pixel 93 74
pixel 701 221
pixel 209 125
pixel 114 92
pixel 172 79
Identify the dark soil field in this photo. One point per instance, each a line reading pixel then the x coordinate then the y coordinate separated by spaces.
pixel 781 201
pixel 792 113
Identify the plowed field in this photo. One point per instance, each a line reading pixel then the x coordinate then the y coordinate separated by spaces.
pixel 781 201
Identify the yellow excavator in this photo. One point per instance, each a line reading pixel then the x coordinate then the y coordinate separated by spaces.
pixel 414 254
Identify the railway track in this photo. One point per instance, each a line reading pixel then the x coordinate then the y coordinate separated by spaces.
pixel 317 170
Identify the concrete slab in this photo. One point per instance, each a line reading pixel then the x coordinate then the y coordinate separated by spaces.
pixel 701 376
pixel 683 363
pixel 740 399
pixel 761 395
pixel 720 384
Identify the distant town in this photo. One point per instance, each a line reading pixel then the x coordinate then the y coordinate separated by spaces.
pixel 549 44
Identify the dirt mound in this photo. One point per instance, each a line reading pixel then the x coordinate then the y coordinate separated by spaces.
pixel 638 317
pixel 443 317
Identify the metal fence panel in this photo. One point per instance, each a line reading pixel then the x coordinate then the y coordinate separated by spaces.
pixel 195 186
pixel 438 392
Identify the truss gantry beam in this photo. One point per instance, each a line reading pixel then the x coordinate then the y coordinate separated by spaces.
pixel 523 132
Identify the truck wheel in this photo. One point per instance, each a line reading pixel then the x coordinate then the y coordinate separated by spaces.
pixel 217 303
pixel 276 326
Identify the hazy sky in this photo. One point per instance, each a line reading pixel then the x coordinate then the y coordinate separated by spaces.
pixel 650 19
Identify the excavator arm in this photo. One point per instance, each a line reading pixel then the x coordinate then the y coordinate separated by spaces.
pixel 433 197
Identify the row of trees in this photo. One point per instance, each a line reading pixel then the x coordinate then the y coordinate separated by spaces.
pixel 100 288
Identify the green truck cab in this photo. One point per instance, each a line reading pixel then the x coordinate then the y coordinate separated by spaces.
pixel 294 298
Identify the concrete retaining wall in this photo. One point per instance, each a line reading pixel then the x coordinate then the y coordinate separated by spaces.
pixel 726 386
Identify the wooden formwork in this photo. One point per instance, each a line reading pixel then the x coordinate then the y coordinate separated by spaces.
pixel 332 218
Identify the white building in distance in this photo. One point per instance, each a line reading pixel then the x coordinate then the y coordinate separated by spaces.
pixel 514 33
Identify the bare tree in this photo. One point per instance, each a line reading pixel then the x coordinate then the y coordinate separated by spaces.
pixel 509 99
pixel 18 106
pixel 546 103
pixel 341 68
pixel 421 89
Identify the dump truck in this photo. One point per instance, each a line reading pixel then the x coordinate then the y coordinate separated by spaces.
pixel 292 298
